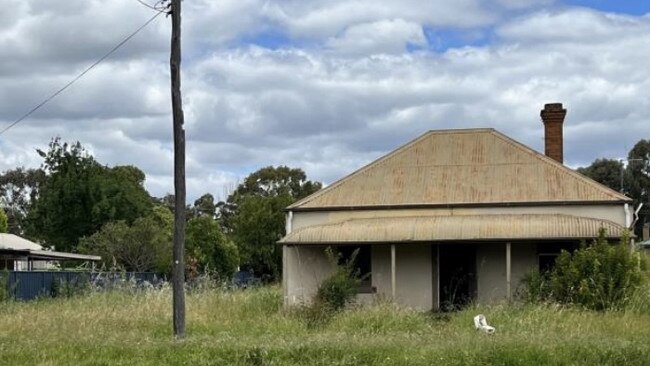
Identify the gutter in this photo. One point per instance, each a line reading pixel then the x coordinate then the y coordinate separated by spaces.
pixel 456 205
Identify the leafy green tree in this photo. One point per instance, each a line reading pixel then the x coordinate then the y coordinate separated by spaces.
pixel 18 189
pixel 253 215
pixel 605 171
pixel 79 196
pixel 4 227
pixel 145 245
pixel 257 226
pixel 204 206
pixel 206 244
pixel 267 182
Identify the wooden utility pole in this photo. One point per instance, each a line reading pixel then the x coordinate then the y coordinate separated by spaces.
pixel 178 271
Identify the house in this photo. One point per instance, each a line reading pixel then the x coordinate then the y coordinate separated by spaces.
pixel 20 254
pixel 451 217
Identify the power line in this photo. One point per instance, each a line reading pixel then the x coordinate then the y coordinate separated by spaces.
pixel 160 6
pixel 38 106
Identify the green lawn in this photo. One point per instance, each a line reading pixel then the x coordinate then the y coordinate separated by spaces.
pixel 250 328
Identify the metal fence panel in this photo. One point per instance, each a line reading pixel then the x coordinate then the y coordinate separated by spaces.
pixel 26 285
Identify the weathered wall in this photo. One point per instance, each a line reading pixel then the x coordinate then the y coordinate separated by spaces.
pixel 491 269
pixel 306 266
pixel 413 274
pixel 304 269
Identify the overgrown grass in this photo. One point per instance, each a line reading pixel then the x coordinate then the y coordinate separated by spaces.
pixel 251 328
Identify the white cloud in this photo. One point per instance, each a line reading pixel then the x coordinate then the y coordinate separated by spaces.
pixel 386 36
pixel 329 105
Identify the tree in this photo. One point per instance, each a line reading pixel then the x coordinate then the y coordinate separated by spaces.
pixel 253 215
pixel 18 189
pixel 79 196
pixel 204 206
pixel 145 245
pixel 207 246
pixel 257 225
pixel 267 182
pixel 3 221
pixel 635 182
pixel 605 171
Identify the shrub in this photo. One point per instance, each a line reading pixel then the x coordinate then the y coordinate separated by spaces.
pixel 340 288
pixel 535 287
pixel 600 276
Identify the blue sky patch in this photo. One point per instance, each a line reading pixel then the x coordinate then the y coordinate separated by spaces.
pixel 442 39
pixel 632 7
pixel 271 40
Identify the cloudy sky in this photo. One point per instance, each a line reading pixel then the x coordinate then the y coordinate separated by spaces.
pixel 324 85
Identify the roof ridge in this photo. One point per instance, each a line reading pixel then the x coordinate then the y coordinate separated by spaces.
pixel 563 168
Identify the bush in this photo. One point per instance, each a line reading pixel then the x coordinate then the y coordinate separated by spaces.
pixel 340 288
pixel 600 276
pixel 535 287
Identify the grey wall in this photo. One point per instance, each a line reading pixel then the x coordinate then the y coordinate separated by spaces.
pixel 305 267
pixel 491 269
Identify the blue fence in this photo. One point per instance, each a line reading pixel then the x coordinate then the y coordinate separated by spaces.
pixel 24 285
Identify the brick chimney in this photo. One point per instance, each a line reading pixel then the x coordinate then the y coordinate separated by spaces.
pixel 553 118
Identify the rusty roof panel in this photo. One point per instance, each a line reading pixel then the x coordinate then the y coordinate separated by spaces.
pixel 460 167
pixel 454 228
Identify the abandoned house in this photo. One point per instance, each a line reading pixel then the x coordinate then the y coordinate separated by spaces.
pixel 451 217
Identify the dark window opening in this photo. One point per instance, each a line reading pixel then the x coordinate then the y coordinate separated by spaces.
pixel 362 264
pixel 547 262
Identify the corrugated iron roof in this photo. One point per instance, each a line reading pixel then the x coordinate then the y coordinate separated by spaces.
pixel 474 166
pixel 454 228
pixel 11 241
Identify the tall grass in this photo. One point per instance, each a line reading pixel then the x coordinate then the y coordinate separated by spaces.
pixel 251 328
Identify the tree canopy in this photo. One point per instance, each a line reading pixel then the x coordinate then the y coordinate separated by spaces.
pixel 18 189
pixel 253 215
pixel 145 245
pixel 635 182
pixel 78 196
pixel 209 249
pixel 3 221
pixel 605 171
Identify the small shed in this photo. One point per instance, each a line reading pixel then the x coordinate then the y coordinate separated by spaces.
pixel 20 254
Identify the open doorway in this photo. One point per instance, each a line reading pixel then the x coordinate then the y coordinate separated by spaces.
pixel 457 275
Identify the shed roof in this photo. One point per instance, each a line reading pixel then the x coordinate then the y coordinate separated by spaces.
pixel 13 246
pixel 455 167
pixel 11 241
pixel 500 227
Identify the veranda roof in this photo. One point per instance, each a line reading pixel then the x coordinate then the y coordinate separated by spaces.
pixel 498 227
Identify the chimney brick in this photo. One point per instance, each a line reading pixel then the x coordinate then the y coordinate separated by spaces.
pixel 553 117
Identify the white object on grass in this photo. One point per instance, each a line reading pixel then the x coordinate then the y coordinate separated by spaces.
pixel 481 324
